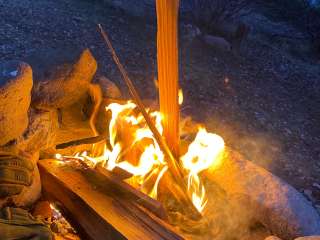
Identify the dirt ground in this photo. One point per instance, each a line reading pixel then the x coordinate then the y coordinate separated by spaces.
pixel 264 101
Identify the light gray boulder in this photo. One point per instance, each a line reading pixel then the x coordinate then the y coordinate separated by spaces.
pixel 273 202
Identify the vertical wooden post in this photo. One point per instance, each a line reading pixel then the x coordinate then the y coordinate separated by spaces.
pixel 168 70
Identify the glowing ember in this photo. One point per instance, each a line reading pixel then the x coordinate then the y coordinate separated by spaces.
pixel 134 149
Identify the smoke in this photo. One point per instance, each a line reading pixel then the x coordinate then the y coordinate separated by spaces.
pixel 264 149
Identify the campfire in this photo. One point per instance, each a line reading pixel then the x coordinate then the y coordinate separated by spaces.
pixel 134 149
pixel 127 169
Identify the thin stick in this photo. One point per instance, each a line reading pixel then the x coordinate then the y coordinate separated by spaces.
pixel 173 166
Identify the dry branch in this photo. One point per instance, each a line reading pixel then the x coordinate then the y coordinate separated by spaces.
pixel 90 140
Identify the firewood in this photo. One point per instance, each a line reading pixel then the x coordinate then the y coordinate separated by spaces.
pixel 100 212
pixel 172 162
pixel 168 70
pixel 130 192
pixel 90 140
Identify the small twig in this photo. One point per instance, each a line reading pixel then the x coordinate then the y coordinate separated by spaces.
pixel 77 142
pixel 172 162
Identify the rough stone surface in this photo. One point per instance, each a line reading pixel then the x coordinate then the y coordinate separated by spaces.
pixel 309 238
pixel 109 88
pixel 15 89
pixel 66 84
pixel 277 205
pixel 272 238
pixel 217 43
pixel 39 135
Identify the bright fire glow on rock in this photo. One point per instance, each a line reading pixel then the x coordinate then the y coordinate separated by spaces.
pixel 204 152
pixel 133 148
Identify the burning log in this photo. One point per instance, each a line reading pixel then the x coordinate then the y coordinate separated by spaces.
pixel 100 210
pixel 131 193
pixel 168 70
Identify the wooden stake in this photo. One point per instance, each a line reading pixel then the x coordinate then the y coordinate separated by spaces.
pixel 173 164
pixel 168 77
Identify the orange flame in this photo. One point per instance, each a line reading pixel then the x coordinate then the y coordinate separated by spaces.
pixel 131 140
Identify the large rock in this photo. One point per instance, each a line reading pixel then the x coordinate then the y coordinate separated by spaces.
pixel 39 135
pixel 15 89
pixel 277 205
pixel 66 84
pixel 217 43
pixel 272 238
pixel 109 89
pixel 309 238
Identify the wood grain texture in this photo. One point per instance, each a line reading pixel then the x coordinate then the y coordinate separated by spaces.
pixel 168 70
pixel 102 213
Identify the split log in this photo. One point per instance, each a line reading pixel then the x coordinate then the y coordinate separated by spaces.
pixel 168 70
pixel 15 94
pixel 277 205
pixel 101 212
pixel 130 192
